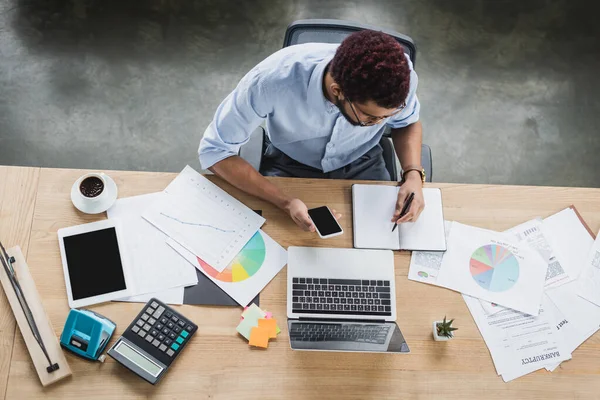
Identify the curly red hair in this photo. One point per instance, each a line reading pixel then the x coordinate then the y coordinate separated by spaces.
pixel 371 65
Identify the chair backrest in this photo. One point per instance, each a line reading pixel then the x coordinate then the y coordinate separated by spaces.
pixel 335 31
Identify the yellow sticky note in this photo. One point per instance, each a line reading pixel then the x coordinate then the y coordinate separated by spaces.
pixel 259 337
pixel 269 324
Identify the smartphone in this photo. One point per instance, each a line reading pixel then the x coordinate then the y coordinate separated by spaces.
pixel 325 222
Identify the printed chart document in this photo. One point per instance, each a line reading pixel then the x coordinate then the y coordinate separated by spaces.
pixel 373 207
pixel 249 272
pixel 530 233
pixel 204 219
pixel 581 318
pixel 570 239
pixel 154 265
pixel 489 266
pixel 519 343
pixel 425 265
pixel 589 280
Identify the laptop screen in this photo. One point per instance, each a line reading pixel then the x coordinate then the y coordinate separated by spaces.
pixel 379 337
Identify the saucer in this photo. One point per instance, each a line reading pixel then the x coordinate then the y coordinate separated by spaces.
pixel 95 208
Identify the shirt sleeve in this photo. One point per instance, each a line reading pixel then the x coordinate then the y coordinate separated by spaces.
pixel 237 116
pixel 410 114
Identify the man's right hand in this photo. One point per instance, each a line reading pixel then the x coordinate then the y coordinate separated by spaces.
pixel 299 213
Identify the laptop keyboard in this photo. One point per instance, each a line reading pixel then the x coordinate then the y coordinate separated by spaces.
pixel 318 332
pixel 341 296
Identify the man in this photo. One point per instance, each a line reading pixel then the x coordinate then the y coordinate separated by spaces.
pixel 325 108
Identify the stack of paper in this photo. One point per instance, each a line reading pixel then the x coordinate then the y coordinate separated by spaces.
pixel 258 326
pixel 157 269
pixel 195 226
pixel 204 219
pixel 521 287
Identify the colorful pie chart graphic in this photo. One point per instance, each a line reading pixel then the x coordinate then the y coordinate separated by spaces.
pixel 494 268
pixel 244 265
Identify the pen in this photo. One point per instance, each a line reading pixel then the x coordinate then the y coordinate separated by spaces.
pixel 405 208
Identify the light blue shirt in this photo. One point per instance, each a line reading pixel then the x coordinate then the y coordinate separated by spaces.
pixel 286 91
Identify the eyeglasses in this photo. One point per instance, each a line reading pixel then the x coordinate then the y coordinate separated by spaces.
pixel 373 120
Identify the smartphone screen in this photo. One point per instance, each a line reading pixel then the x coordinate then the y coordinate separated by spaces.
pixel 324 221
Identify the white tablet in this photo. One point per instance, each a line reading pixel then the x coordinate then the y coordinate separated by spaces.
pixel 94 263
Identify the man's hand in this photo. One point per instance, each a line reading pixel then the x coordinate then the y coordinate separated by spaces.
pixel 413 184
pixel 299 213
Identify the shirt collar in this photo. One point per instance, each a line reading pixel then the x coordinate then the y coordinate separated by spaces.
pixel 315 89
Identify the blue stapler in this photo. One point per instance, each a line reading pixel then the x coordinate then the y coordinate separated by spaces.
pixel 86 334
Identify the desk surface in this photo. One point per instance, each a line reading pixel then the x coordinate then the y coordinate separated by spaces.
pixel 35 203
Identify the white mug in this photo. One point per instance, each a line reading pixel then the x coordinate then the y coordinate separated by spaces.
pixel 95 199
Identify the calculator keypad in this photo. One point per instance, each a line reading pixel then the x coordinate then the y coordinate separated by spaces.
pixel 161 328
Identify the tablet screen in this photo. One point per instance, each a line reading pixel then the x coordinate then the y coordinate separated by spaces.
pixel 94 263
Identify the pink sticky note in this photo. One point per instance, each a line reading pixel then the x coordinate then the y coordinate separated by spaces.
pixel 268 315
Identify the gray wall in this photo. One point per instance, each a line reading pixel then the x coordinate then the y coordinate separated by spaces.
pixel 509 89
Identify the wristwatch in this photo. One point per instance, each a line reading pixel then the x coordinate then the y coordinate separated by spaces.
pixel 419 169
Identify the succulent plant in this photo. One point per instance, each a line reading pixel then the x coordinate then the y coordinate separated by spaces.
pixel 445 328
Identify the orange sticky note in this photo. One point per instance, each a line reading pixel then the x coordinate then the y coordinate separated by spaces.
pixel 259 337
pixel 269 324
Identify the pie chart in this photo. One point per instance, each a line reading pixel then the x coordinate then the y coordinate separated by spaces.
pixel 494 268
pixel 244 265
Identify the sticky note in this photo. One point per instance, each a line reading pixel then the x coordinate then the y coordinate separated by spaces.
pixel 253 313
pixel 268 314
pixel 259 337
pixel 245 327
pixel 269 324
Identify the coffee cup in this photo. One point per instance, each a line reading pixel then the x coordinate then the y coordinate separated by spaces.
pixel 92 188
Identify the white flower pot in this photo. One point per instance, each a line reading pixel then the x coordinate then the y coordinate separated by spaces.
pixel 436 337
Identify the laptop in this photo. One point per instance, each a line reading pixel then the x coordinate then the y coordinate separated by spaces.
pixel 342 300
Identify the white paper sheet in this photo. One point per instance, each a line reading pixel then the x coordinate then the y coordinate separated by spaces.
pixel 172 296
pixel 589 280
pixel 581 317
pixel 204 219
pixel 519 343
pixel 569 239
pixel 489 266
pixel 530 233
pixel 155 266
pixel 425 265
pixel 259 261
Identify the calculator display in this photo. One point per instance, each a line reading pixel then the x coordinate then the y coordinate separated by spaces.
pixel 137 358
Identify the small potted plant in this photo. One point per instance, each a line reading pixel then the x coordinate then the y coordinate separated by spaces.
pixel 442 330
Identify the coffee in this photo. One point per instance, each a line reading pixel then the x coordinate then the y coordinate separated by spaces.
pixel 91 186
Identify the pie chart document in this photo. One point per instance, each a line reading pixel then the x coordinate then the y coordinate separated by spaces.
pixel 248 273
pixel 492 266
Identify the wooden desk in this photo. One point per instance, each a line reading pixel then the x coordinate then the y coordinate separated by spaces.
pixel 218 364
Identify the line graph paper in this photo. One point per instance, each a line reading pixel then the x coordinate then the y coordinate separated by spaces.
pixel 204 218
pixel 195 224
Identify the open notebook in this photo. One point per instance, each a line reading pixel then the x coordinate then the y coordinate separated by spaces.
pixel 373 207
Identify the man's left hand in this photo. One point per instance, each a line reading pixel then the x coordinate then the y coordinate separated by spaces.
pixel 413 184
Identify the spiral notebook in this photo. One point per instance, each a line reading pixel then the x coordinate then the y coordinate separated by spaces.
pixel 372 209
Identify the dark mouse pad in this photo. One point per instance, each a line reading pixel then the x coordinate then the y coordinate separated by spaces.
pixel 206 292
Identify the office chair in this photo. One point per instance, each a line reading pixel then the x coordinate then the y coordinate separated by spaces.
pixel 335 31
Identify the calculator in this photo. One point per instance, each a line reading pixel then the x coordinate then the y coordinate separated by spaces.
pixel 153 341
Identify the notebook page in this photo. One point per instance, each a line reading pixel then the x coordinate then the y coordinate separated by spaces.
pixel 373 207
pixel 427 234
